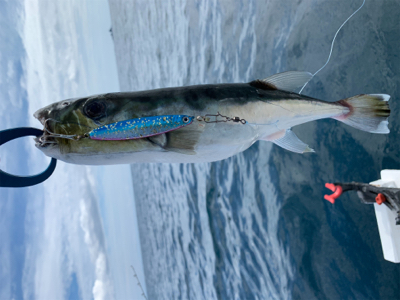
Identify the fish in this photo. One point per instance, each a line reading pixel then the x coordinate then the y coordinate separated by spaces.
pixel 226 119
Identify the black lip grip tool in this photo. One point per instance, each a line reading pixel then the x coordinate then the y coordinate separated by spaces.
pixel 9 180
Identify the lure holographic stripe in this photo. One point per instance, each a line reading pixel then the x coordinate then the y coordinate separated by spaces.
pixel 140 127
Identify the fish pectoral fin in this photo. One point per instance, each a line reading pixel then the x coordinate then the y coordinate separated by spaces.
pixel 291 142
pixel 184 140
pixel 289 81
pixel 160 140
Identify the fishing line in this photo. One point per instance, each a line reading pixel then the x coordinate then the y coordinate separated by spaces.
pixel 333 42
pixel 243 121
pixel 204 118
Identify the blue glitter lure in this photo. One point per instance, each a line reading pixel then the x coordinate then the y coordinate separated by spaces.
pixel 139 128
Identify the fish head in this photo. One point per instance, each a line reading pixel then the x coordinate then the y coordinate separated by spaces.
pixel 66 123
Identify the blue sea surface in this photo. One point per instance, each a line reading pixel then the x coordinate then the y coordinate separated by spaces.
pixel 255 226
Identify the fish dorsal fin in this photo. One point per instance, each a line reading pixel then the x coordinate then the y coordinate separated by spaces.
pixel 291 142
pixel 289 81
pixel 260 84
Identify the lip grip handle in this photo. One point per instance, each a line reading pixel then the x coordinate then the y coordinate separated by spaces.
pixel 9 180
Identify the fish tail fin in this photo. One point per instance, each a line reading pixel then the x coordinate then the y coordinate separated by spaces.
pixel 366 112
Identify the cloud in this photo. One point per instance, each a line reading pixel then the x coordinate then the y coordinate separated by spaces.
pixel 102 288
pixel 43 58
pixel 65 241
pixel 5 255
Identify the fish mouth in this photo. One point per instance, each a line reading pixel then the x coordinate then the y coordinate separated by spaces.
pixel 46 139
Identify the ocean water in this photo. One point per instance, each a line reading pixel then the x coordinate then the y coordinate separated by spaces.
pixel 255 226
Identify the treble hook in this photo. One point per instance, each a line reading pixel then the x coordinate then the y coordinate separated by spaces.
pixel 73 137
pixel 9 180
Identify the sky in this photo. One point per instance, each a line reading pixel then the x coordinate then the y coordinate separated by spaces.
pixel 75 235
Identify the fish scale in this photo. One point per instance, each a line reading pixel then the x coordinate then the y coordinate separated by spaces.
pixel 140 127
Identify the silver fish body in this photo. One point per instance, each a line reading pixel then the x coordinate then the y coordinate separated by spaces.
pixel 268 106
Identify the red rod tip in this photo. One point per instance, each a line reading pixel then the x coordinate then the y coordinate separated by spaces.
pixel 330 186
pixel 337 189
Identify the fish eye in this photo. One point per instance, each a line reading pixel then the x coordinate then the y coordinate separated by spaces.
pixel 94 110
pixel 185 119
pixel 65 103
